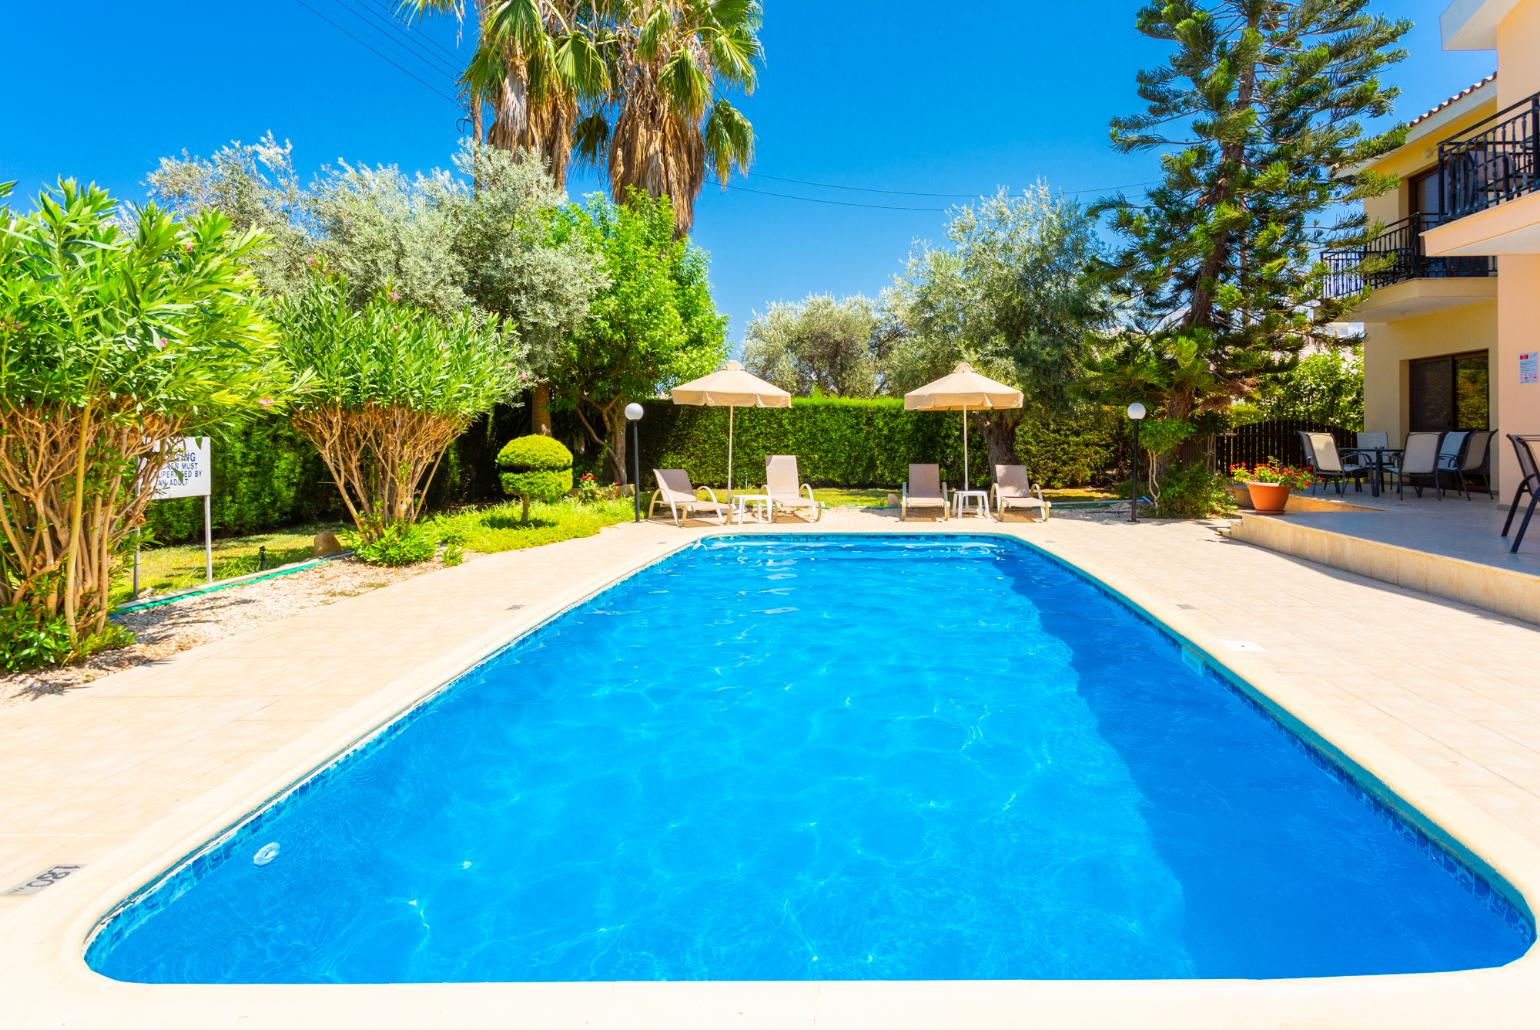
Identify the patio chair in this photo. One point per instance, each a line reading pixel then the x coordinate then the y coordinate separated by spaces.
pixel 1013 489
pixel 1326 464
pixel 1451 451
pixel 924 490
pixel 1418 461
pixel 1476 462
pixel 675 490
pixel 1365 442
pixel 784 490
pixel 1527 447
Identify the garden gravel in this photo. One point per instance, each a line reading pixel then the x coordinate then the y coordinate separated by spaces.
pixel 168 629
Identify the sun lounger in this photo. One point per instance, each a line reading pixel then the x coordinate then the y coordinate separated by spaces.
pixel 1013 489
pixel 784 490
pixel 924 490
pixel 675 490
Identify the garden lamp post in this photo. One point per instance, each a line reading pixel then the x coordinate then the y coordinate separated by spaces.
pixel 1136 413
pixel 634 416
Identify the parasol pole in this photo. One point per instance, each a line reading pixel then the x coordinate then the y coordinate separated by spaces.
pixel 965 447
pixel 730 452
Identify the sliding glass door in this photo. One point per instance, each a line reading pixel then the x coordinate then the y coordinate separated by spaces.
pixel 1451 392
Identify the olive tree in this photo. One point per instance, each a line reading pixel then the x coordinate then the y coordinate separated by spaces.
pixel 119 331
pixel 1013 293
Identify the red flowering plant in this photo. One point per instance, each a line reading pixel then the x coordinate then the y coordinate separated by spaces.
pixel 588 490
pixel 1271 471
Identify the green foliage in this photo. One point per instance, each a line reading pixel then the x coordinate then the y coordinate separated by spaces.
pixel 393 354
pixel 1259 109
pixel 454 550
pixel 848 442
pixel 1010 294
pixel 1192 492
pixel 31 641
pixel 502 527
pixel 119 331
pixel 652 326
pixel 264 475
pixel 1327 388
pixel 527 453
pixel 535 468
pixel 818 346
pixel 256 188
pixel 150 311
pixel 483 240
pixel 394 544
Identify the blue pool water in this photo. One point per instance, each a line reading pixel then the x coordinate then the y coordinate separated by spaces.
pixel 796 758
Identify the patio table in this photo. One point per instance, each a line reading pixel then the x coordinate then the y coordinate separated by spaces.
pixel 1377 482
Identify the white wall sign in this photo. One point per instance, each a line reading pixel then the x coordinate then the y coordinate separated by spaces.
pixel 188 473
pixel 1529 367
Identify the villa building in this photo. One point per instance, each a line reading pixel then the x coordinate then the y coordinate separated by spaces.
pixel 1453 323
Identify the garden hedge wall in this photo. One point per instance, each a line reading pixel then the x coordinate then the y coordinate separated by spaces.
pixel 267 475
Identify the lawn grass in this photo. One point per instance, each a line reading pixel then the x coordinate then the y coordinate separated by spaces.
pixel 164 570
pixel 498 527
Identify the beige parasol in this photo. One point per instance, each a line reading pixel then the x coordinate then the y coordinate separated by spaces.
pixel 961 390
pixel 732 386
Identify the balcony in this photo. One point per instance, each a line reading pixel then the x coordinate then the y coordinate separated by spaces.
pixel 1404 279
pixel 1491 186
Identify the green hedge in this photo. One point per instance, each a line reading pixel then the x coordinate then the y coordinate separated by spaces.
pixel 871 443
pixel 265 476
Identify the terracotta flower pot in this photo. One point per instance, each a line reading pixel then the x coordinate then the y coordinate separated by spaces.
pixel 1268 498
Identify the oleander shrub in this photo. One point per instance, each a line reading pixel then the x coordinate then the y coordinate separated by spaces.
pixel 393 386
pixel 535 468
pixel 120 330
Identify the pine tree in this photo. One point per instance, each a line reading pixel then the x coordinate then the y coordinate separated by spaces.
pixel 1259 109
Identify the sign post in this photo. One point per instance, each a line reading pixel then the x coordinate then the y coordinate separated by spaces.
pixel 189 473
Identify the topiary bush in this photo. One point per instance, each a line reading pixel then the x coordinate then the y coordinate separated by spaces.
pixel 535 468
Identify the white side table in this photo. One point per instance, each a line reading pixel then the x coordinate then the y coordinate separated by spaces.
pixel 979 499
pixel 761 502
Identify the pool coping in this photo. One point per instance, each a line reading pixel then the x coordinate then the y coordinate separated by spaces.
pixel 44 947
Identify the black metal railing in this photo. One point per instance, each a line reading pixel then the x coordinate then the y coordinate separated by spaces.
pixel 1395 256
pixel 1276 438
pixel 1491 162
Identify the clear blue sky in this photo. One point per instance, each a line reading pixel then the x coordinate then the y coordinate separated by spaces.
pixel 890 94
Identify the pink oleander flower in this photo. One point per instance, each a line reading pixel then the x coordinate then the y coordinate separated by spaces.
pixel 266 402
pixel 309 262
pixel 188 246
pixel 160 343
pixel 394 297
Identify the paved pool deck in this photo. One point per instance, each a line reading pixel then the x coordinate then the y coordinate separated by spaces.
pixel 1439 701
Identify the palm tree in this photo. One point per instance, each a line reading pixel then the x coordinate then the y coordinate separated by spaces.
pixel 533 62
pixel 662 123
pixel 531 65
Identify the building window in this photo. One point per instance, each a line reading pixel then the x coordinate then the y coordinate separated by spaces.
pixel 1450 392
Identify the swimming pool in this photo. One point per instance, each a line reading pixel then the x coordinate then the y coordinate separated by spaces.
pixel 824 757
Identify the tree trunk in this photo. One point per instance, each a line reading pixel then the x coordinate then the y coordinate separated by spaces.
pixel 1000 437
pixel 540 409
pixel 615 429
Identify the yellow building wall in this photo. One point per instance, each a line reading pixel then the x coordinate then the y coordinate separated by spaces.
pixel 1518 275
pixel 1389 347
